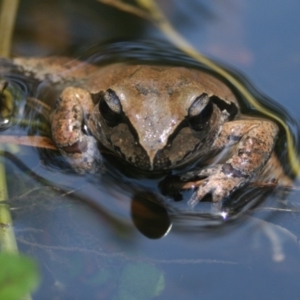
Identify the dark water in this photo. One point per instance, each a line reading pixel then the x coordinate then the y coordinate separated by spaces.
pixel 103 237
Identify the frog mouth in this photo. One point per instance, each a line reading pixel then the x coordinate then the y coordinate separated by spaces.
pixel 157 161
pixel 152 162
pixel 160 161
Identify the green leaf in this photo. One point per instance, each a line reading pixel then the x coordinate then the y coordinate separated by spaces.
pixel 18 276
pixel 140 281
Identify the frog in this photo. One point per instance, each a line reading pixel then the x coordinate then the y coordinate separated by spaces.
pixel 157 118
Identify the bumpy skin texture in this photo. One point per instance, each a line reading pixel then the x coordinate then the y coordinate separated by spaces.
pixel 254 141
pixel 67 120
pixel 156 118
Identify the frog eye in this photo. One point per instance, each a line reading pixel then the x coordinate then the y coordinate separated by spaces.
pixel 200 112
pixel 110 107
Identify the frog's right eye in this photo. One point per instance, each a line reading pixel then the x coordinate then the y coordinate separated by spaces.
pixel 110 107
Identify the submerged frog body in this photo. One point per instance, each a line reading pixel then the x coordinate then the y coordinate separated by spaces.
pixel 156 118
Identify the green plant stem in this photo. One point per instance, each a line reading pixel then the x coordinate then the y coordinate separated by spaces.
pixel 7 237
pixel 8 10
pixel 8 241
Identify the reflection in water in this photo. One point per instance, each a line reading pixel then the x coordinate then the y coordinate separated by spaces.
pixel 149 216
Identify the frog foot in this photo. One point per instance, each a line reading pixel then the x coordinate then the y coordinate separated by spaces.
pixel 219 181
pixel 70 131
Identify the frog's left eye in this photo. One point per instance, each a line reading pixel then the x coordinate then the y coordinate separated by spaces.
pixel 200 112
pixel 110 107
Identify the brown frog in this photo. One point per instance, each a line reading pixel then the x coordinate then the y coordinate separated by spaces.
pixel 156 118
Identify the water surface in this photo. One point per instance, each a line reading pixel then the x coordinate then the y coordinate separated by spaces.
pixel 92 235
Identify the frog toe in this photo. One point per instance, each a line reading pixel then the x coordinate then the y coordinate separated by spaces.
pixel 201 173
pixel 219 186
pixel 199 194
pixel 217 194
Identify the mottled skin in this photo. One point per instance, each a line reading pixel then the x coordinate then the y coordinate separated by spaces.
pixel 157 118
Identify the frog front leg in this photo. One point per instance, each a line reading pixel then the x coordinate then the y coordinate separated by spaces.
pixel 253 142
pixel 69 123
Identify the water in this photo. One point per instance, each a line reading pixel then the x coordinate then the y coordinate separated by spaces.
pixel 91 235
